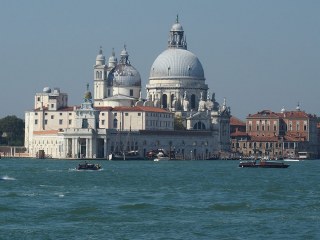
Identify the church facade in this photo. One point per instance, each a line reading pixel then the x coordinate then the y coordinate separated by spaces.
pixel 117 118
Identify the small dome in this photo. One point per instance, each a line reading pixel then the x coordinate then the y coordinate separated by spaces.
pixel 46 90
pixel 100 59
pixel 87 95
pixel 177 27
pixel 173 63
pixel 124 52
pixel 112 59
pixel 126 75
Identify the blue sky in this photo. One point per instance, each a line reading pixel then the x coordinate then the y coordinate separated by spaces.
pixel 257 54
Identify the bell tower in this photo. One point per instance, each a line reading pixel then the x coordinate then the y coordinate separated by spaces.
pixel 100 78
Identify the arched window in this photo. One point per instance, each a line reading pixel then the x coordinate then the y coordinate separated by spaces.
pixel 199 126
pixel 97 75
pixel 193 101
pixel 164 101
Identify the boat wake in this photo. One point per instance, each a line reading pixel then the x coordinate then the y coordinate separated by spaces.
pixel 7 178
pixel 82 170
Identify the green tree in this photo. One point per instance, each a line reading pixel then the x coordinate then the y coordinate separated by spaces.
pixel 11 131
pixel 178 123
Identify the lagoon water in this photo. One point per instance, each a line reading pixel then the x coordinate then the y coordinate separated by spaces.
pixel 48 199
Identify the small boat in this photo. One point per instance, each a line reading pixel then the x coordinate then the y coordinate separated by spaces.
pixel 128 155
pixel 263 164
pixel 161 157
pixel 88 166
pixel 160 154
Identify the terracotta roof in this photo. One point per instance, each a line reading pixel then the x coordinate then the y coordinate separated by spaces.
pixel 236 121
pixel 295 114
pixel 104 108
pixel 295 137
pixel 286 114
pixel 264 114
pixel 45 132
pixel 239 134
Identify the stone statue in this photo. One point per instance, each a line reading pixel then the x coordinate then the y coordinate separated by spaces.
pixel 185 102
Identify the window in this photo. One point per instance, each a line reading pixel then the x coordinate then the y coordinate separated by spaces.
pixel 45 122
pixel 115 123
pixel 52 116
pixel 60 121
pixel 36 121
pixel 60 114
pixel 131 92
pixel 52 105
pixel 84 123
pixel 70 121
pixel 102 114
pixel 38 99
pixel 126 114
pixel 36 114
pixel 115 114
pixel 102 122
pixel 70 114
pixel 139 114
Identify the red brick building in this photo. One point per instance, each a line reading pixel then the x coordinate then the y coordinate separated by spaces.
pixel 287 134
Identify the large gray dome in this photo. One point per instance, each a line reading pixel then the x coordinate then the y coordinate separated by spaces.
pixel 176 63
pixel 126 75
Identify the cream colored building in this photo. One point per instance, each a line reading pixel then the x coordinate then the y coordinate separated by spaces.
pixel 117 117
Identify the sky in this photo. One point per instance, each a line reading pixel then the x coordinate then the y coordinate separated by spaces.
pixel 257 54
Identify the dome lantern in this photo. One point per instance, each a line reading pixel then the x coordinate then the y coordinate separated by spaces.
pixel 176 38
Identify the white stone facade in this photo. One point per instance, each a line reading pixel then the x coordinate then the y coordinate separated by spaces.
pixel 117 117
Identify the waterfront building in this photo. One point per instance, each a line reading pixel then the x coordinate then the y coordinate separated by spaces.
pixel 117 118
pixel 276 134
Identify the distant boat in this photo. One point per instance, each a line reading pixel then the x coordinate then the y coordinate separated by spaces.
pixel 161 157
pixel 160 154
pixel 88 166
pixel 125 155
pixel 263 164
